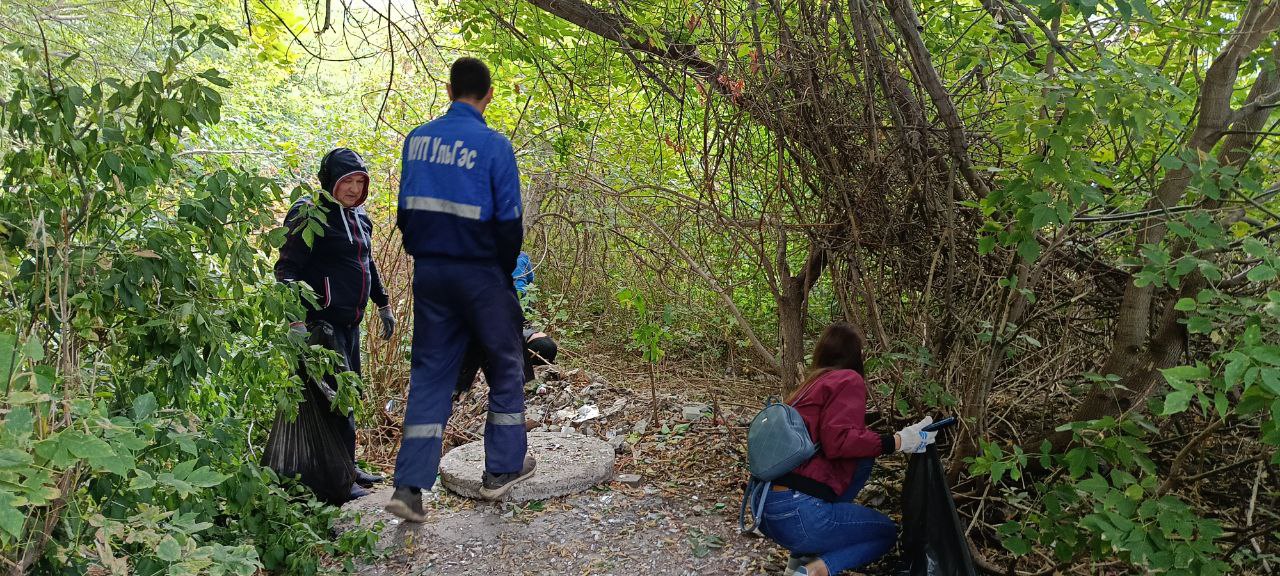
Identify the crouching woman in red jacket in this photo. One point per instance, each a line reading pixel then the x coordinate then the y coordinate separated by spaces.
pixel 810 511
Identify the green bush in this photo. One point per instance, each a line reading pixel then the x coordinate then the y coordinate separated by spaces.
pixel 143 344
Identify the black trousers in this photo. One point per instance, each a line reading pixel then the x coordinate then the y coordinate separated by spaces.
pixel 345 340
pixel 537 352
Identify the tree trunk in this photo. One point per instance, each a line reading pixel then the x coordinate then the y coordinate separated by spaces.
pixel 793 311
pixel 1135 359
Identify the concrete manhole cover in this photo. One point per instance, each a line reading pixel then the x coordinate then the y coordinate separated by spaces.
pixel 568 463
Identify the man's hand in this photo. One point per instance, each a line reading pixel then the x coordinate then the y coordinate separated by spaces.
pixel 388 322
pixel 913 439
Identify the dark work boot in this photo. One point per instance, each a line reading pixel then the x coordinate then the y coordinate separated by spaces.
pixel 366 479
pixel 495 486
pixel 406 503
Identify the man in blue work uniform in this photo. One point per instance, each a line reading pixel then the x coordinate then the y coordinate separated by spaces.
pixel 460 218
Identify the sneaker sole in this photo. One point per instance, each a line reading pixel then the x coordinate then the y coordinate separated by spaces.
pixel 402 510
pixel 498 493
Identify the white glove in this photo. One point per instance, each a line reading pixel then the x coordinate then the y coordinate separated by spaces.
pixel 913 439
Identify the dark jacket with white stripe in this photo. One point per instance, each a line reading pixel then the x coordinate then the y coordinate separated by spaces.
pixel 460 191
pixel 338 264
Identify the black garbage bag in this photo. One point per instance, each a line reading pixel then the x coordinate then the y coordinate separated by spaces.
pixel 313 446
pixel 933 542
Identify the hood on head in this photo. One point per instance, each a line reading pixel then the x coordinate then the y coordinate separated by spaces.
pixel 341 163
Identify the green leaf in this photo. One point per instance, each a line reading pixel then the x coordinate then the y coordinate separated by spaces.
pixel 1235 369
pixel 1261 273
pixel 42 494
pixel 7 343
pixel 1271 381
pixel 1170 162
pixel 1140 6
pixel 91 448
pixel 1094 485
pixel 11 518
pixel 143 406
pixel 23 397
pixel 205 477
pixel 184 469
pixel 1255 248
pixel 986 244
pixel 1179 374
pixel 141 481
pixel 1199 325
pixel 1185 304
pixel 1268 354
pixel 33 350
pixel 20 422
pixel 1029 250
pixel 168 550
pixel 171 110
pixel 14 459
pixel 1176 402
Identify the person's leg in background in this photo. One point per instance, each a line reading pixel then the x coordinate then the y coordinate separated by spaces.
pixel 541 349
pixel 326 486
pixel 439 340
pixel 472 360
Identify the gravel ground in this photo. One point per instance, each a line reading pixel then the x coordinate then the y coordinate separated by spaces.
pixel 610 530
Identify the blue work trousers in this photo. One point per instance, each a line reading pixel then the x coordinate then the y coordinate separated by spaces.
pixel 455 302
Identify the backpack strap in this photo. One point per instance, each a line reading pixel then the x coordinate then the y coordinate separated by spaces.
pixel 759 489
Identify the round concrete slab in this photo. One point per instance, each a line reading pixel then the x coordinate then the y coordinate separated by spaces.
pixel 568 463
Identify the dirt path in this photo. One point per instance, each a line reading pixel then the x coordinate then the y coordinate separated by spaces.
pixel 682 520
pixel 612 530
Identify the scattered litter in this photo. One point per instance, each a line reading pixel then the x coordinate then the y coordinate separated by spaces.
pixel 693 412
pixel 586 412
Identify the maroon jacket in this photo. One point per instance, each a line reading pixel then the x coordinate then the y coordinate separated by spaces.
pixel 834 408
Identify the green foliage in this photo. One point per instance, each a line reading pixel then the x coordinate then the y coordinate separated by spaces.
pixel 1107 504
pixel 913 366
pixel 141 334
pixel 649 336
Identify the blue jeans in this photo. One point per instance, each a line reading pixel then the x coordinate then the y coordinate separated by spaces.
pixel 860 476
pixel 843 534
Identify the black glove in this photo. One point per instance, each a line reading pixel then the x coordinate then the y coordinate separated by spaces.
pixel 388 322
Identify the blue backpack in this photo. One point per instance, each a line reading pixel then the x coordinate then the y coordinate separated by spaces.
pixel 777 443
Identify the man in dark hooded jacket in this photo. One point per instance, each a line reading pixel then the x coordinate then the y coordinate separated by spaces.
pixel 338 265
